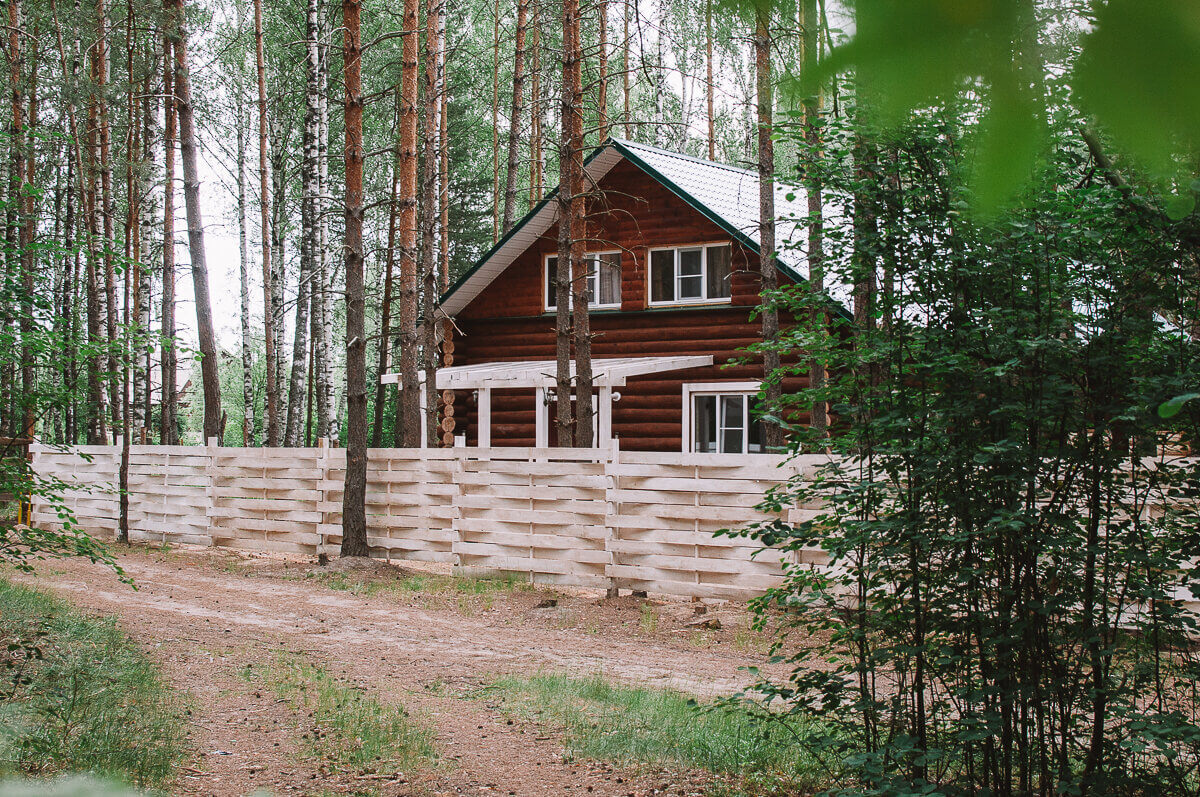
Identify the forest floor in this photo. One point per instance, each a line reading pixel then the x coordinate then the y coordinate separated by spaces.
pixel 418 638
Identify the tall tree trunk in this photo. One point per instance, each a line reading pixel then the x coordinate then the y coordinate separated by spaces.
pixel 169 425
pixel 279 227
pixel 244 257
pixel 24 261
pixel 628 117
pixel 144 219
pixel 408 415
pixel 514 119
pixel 213 417
pixel 385 322
pixel 100 74
pixel 772 433
pixel 535 105
pixel 326 413
pixel 572 220
pixel 354 501
pixel 306 294
pixel 809 50
pixel 496 122
pixel 430 217
pixel 444 156
pixel 709 87
pixel 602 77
pixel 269 307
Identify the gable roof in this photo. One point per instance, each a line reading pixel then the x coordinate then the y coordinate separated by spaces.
pixel 725 195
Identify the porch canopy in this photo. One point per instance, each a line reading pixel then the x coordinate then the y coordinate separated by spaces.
pixel 541 375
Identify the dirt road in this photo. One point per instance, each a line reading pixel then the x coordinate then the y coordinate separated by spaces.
pixel 206 615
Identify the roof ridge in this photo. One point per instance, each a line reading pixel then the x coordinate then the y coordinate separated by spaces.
pixel 683 156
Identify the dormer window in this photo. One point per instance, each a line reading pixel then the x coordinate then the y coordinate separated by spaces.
pixel 690 275
pixel 603 280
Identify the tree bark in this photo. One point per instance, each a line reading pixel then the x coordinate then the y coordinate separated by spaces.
pixel 709 87
pixel 496 121
pixel 385 321
pixel 809 49
pixel 213 417
pixel 430 218
pixel 323 342
pixel 306 294
pixel 514 119
pixel 100 76
pixel 354 501
pixel 536 106
pixel 244 257
pixel 168 412
pixel 408 416
pixel 602 77
pixel 572 120
pixel 625 73
pixel 772 433
pixel 269 308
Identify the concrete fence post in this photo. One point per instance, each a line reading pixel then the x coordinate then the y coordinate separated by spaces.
pixel 210 487
pixel 612 508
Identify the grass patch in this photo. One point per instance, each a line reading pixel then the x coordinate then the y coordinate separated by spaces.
pixel 465 592
pixel 77 696
pixel 350 731
pixel 662 727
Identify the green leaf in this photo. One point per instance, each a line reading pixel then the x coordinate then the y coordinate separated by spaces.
pixel 1140 76
pixel 1169 409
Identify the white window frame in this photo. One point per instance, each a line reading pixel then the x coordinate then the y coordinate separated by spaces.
pixel 593 305
pixel 693 389
pixel 677 302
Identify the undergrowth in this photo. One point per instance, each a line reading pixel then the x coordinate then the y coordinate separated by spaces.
pixel 77 696
pixel 465 593
pixel 631 725
pixel 350 732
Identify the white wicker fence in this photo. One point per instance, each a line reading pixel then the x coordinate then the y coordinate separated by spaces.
pixel 585 517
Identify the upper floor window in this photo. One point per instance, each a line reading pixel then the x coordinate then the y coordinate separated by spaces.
pixel 603 280
pixel 690 274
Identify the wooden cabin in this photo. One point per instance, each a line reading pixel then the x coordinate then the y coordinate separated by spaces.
pixel 674 278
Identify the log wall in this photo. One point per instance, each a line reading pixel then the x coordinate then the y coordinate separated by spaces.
pixel 508 321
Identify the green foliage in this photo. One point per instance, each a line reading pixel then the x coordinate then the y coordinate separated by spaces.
pixel 1132 66
pixel 662 727
pixel 349 731
pixel 1010 539
pixel 78 696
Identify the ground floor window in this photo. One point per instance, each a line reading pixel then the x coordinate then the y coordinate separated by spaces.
pixel 721 419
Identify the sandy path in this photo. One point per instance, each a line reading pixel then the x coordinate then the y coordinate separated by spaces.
pixel 206 616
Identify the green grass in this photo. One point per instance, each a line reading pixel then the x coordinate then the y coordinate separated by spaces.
pixel 350 731
pixel 467 593
pixel 661 727
pixel 77 696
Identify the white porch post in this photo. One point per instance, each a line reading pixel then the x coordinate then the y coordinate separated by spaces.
pixel 604 438
pixel 541 435
pixel 424 421
pixel 485 416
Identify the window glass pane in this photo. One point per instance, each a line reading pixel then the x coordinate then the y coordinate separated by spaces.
pixel 591 276
pixel 662 275
pixel 755 442
pixel 610 278
pixel 732 423
pixel 690 262
pixel 691 287
pixel 551 282
pixel 718 272
pixel 704 424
